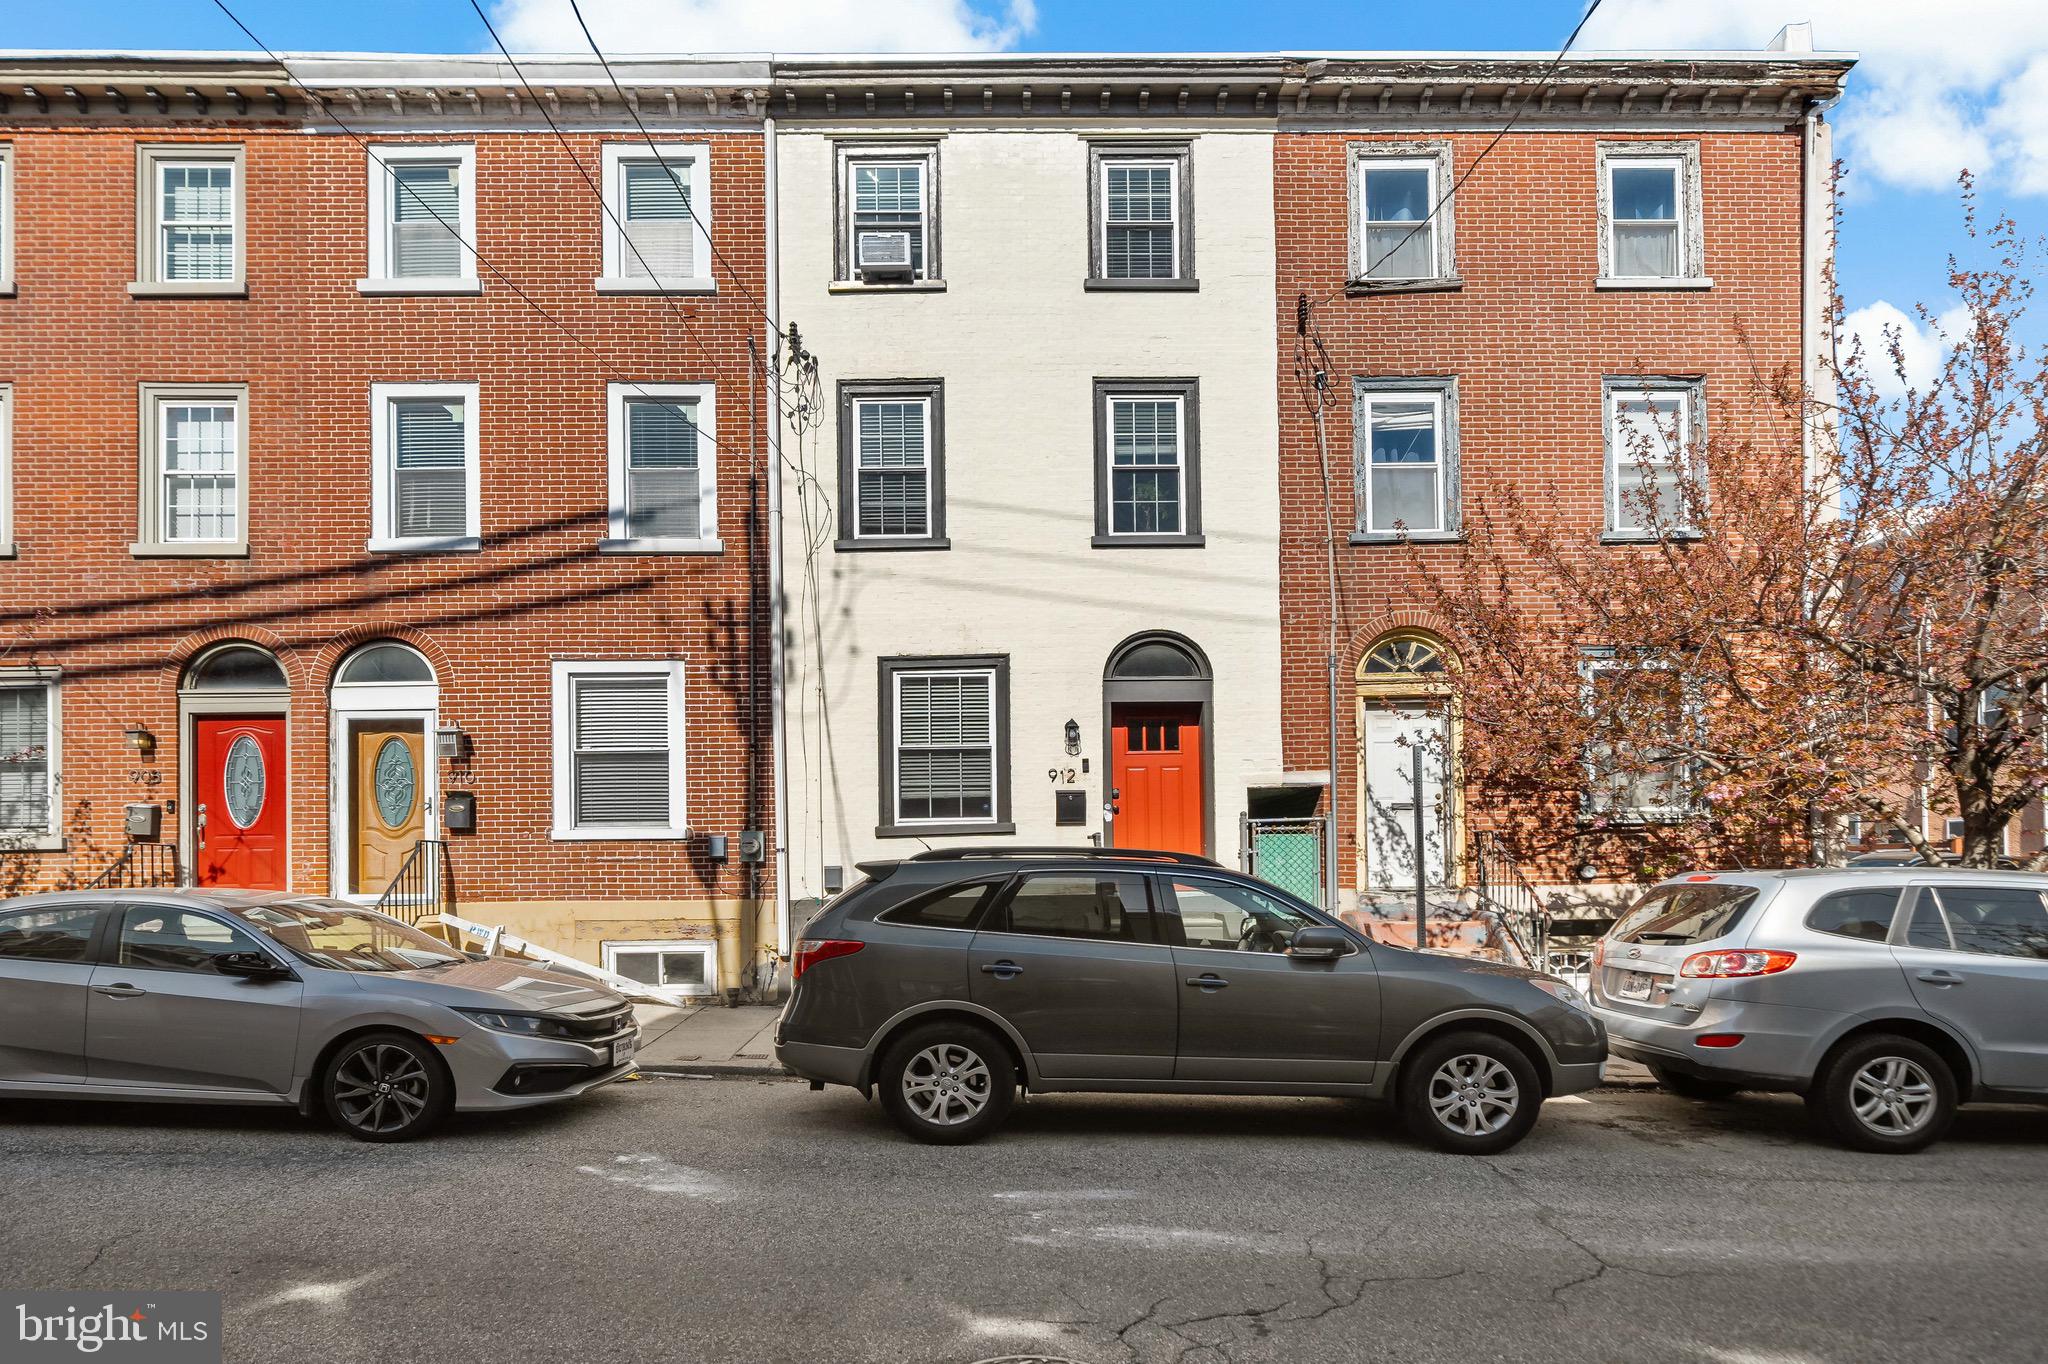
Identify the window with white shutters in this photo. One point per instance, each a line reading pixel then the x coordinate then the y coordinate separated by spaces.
pixel 425 467
pixel 193 497
pixel 28 751
pixel 1140 206
pixel 1650 437
pixel 655 210
pixel 1650 233
pixel 945 747
pixel 422 219
pixel 618 750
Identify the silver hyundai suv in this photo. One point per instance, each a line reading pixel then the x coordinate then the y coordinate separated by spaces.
pixel 1885 996
pixel 220 996
pixel 951 980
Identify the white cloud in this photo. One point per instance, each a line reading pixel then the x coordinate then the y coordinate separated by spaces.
pixel 765 25
pixel 1941 88
pixel 1921 346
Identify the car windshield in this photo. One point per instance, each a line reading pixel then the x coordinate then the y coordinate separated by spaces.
pixel 345 938
pixel 1681 915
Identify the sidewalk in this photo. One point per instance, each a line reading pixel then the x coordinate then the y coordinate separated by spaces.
pixel 710 1039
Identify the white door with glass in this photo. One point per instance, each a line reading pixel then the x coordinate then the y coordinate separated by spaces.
pixel 1392 739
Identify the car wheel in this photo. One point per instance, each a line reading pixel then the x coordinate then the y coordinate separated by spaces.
pixel 947 1083
pixel 1469 1092
pixel 387 1086
pixel 1886 1094
pixel 1692 1086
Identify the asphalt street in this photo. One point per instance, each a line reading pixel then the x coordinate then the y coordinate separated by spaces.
pixel 727 1220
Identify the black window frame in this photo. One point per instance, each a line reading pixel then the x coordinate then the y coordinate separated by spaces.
pixel 886 825
pixel 95 941
pixel 996 886
pixel 1103 153
pixel 852 392
pixel 996 919
pixel 1189 392
pixel 1899 902
pixel 845 155
pixel 1958 943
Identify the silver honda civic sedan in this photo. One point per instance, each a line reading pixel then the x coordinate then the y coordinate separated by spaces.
pixel 220 996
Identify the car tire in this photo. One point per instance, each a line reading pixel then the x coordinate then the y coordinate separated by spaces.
pixel 1452 1089
pixel 386 1086
pixel 947 1084
pixel 1692 1086
pixel 1885 1093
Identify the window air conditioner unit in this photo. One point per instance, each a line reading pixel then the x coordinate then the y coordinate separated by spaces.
pixel 884 255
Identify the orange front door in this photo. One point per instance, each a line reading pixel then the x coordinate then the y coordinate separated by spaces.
pixel 388 799
pixel 1156 766
pixel 238 794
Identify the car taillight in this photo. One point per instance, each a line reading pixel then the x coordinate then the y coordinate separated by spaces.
pixel 1599 954
pixel 811 951
pixel 1725 965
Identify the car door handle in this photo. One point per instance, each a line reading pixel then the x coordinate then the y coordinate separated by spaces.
pixel 121 991
pixel 1938 977
pixel 1002 970
pixel 1207 981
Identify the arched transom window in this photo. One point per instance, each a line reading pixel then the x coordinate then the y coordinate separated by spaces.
pixel 1403 656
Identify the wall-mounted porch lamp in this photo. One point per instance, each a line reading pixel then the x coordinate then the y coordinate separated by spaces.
pixel 1073 736
pixel 141 740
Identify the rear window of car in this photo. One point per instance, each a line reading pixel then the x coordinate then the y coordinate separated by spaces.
pixel 1676 916
pixel 1863 914
pixel 952 907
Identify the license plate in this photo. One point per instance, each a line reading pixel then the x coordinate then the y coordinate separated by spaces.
pixel 623 1049
pixel 1635 985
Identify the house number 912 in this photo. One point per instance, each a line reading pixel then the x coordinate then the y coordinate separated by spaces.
pixel 1061 776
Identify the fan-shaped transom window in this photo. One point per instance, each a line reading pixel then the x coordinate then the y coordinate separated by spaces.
pixel 383 665
pixel 235 667
pixel 1155 658
pixel 1403 656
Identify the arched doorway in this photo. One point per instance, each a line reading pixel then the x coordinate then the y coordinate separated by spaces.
pixel 1156 695
pixel 234 788
pixel 1405 721
pixel 383 702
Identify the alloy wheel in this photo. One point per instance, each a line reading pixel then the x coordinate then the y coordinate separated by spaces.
pixel 1474 1095
pixel 1893 1096
pixel 382 1088
pixel 947 1084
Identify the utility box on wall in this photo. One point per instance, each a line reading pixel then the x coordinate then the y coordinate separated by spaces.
pixel 143 822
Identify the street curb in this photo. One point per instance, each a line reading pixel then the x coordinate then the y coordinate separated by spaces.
pixel 730 1071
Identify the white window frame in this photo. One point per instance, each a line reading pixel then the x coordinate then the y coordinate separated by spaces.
pixel 565 827
pixel 51 837
pixel 619 539
pixel 384 538
pixel 7 168
pixel 6 471
pixel 1683 158
pixel 1441 402
pixel 690 946
pixel 1593 807
pixel 618 256
pixel 1172 165
pixel 151 160
pixel 926 157
pixel 930 532
pixel 1691 401
pixel 383 188
pixel 1181 465
pixel 1433 157
pixel 995 748
pixel 152 541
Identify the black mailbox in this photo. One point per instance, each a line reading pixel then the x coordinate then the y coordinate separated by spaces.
pixel 459 813
pixel 1070 807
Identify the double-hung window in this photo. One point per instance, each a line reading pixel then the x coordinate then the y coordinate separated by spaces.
pixel 194 496
pixel 664 489
pixel 892 465
pixel 1404 466
pixel 657 213
pixel 6 471
pixel 422 219
pixel 189 237
pixel 6 219
pixel 619 757
pixel 1401 228
pixel 1652 433
pixel 945 746
pixel 30 812
pixel 424 468
pixel 1642 716
pixel 1650 233
pixel 1141 235
pixel 1147 489
pixel 888 231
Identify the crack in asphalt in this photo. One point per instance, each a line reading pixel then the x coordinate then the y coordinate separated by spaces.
pixel 105 1246
pixel 1545 1216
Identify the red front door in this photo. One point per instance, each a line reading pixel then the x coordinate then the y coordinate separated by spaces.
pixel 1156 767
pixel 238 801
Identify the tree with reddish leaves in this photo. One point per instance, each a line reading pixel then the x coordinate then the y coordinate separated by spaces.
pixel 1834 605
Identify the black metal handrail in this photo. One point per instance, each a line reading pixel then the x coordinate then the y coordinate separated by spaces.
pixel 1498 880
pixel 421 886
pixel 141 866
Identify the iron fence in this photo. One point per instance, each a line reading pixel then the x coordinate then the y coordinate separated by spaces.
pixel 421 886
pixel 141 866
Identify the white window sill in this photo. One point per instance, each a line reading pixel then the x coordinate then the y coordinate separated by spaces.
pixel 661 546
pixel 634 833
pixel 6 288
pixel 188 288
pixel 909 286
pixel 1652 282
pixel 7 550
pixel 27 842
pixel 627 284
pixel 460 544
pixel 197 549
pixel 422 285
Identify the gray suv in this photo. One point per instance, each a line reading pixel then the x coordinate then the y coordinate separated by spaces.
pixel 949 980
pixel 1885 996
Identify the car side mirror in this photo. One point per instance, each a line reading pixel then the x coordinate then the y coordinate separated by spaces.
pixel 252 965
pixel 1318 942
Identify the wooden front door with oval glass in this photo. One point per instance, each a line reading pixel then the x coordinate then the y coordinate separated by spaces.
pixel 1156 769
pixel 238 799
pixel 387 793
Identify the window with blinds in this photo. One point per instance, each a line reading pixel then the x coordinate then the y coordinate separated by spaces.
pixel 1145 471
pixel 655 210
pixel 889 196
pixel 200 465
pixel 1399 474
pixel 892 467
pixel 945 746
pixel 429 468
pixel 25 746
pixel 663 493
pixel 195 227
pixel 619 750
pixel 1139 232
pixel 425 200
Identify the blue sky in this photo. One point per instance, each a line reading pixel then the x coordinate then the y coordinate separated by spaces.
pixel 1928 99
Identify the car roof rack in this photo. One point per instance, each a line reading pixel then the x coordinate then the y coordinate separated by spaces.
pixel 1084 851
